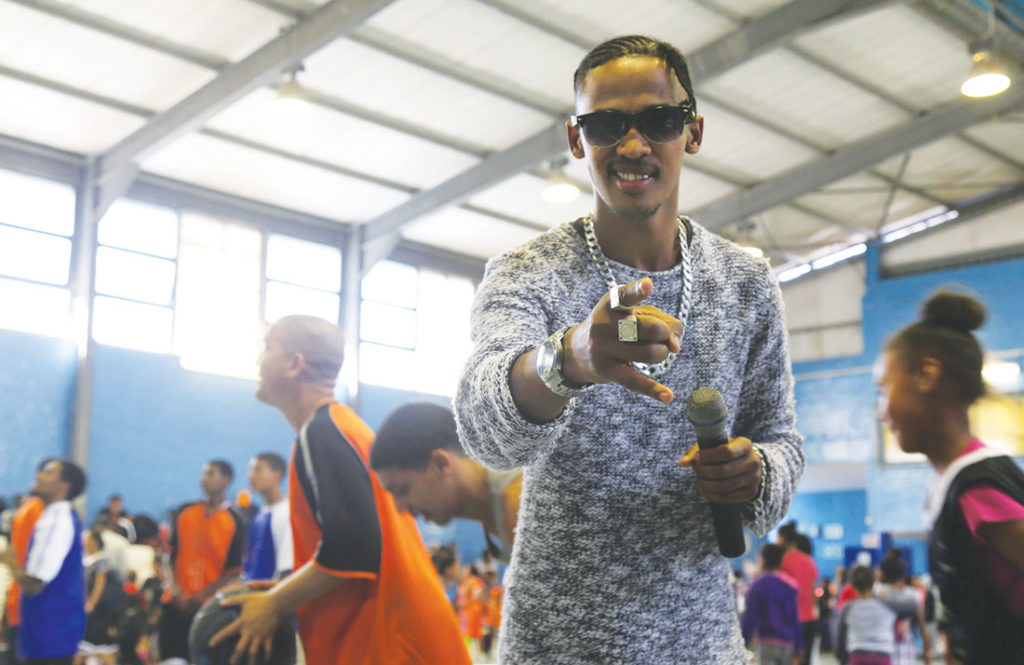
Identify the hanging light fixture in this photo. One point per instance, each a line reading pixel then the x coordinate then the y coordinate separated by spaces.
pixel 559 188
pixel 986 77
pixel 292 99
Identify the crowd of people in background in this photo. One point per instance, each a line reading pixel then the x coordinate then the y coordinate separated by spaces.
pixel 865 616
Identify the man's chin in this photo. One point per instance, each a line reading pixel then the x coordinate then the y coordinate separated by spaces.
pixel 636 213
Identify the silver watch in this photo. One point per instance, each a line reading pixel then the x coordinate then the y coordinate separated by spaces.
pixel 550 361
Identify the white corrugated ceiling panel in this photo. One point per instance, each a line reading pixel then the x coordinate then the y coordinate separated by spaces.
pixel 486 40
pixel 520 196
pixel 54 49
pixel 952 170
pixel 859 199
pixel 898 50
pixel 750 8
pixel 785 88
pixel 1001 228
pixel 1004 135
pixel 698 189
pixel 685 25
pixel 466 232
pixel 344 140
pixel 790 230
pixel 394 87
pixel 231 29
pixel 734 146
pixel 223 166
pixel 51 118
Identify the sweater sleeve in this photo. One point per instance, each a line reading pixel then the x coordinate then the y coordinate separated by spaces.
pixel 768 413
pixel 510 317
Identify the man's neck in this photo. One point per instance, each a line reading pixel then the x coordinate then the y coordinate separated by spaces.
pixel 300 409
pixel 272 496
pixel 647 244
pixel 47 502
pixel 476 503
pixel 214 501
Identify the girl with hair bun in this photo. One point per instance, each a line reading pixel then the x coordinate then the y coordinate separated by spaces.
pixel 928 377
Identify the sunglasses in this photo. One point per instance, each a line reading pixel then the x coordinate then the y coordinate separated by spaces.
pixel 658 124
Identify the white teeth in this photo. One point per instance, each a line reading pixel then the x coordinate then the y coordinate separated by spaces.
pixel 631 177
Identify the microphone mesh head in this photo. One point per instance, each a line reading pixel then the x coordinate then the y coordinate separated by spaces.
pixel 706 406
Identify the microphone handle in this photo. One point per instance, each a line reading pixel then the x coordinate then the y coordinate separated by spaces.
pixel 726 516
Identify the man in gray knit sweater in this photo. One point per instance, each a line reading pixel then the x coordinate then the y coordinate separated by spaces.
pixel 584 382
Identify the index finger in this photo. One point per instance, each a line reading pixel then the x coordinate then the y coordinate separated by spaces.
pixel 236 600
pixel 634 293
pixel 628 377
pixel 226 632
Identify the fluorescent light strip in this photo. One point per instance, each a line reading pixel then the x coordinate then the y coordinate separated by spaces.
pixel 841 255
pixel 793 273
pixel 915 224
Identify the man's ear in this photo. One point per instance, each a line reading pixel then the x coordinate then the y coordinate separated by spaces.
pixel 694 135
pixel 296 365
pixel 928 375
pixel 443 461
pixel 575 140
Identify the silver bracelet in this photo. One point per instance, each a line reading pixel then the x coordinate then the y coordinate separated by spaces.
pixel 763 490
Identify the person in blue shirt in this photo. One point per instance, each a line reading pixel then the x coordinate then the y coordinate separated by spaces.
pixel 268 555
pixel 53 578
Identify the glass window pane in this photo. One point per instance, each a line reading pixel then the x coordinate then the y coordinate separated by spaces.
pixel 143 228
pixel 34 308
pixel 285 299
pixel 134 276
pixel 443 331
pixel 132 324
pixel 386 366
pixel 386 324
pixel 304 263
pixel 36 256
pixel 217 322
pixel 35 203
pixel 391 283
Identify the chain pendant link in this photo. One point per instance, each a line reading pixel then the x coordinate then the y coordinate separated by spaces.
pixel 601 262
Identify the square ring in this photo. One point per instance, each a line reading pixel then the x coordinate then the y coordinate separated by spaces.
pixel 628 331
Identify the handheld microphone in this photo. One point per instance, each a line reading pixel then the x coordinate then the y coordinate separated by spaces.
pixel 706 412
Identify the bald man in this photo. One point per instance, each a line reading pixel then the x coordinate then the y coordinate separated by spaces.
pixel 364 588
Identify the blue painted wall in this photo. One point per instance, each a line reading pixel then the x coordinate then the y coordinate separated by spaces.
pixel 847 508
pixel 155 425
pixel 37 386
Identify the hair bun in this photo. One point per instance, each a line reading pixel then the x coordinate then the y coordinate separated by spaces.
pixel 953 310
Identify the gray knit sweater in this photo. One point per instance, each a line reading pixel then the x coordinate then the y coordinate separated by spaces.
pixel 615 560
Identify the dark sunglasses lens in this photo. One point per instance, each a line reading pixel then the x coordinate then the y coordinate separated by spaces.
pixel 662 124
pixel 605 128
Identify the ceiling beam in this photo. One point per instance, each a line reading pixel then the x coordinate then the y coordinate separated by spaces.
pixel 844 162
pixel 746 42
pixel 262 67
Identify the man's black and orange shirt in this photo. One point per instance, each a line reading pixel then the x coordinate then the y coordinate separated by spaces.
pixel 205 546
pixel 342 519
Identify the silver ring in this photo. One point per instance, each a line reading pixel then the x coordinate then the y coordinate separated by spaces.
pixel 628 331
pixel 614 302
